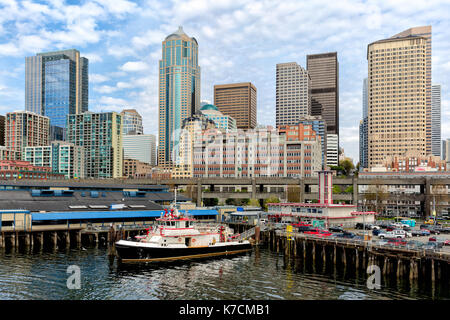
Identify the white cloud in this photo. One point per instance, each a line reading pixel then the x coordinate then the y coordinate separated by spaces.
pixel 97 78
pixel 134 66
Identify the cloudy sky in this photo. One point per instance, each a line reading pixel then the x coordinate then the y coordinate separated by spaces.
pixel 239 41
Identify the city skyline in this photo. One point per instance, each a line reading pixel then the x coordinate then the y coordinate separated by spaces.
pixel 242 43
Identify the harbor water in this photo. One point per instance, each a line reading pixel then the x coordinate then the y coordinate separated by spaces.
pixel 259 275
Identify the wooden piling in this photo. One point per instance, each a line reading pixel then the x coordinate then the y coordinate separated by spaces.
pixel 433 273
pixel 55 239
pixel 13 240
pixel 356 259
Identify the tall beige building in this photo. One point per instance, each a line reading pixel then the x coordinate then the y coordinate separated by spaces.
pixel 397 97
pixel 425 32
pixel 237 100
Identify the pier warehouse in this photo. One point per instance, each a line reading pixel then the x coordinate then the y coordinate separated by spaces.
pixel 324 213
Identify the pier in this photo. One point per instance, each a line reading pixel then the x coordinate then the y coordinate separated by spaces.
pixel 358 255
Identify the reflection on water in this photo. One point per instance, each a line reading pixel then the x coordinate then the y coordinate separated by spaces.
pixel 261 274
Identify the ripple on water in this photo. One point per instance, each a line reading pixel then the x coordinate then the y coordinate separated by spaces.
pixel 264 275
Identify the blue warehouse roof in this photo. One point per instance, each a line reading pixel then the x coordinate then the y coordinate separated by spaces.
pixel 87 215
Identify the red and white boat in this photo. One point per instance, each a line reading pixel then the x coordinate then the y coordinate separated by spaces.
pixel 178 237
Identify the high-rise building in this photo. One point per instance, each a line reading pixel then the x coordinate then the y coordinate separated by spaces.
pixel 25 129
pixel 221 120
pixel 397 90
pixel 179 91
pixel 237 100
pixel 363 128
pixel 63 157
pixel 293 93
pixel 56 84
pixel 140 147
pixel 444 150
pixel 323 68
pixel 101 136
pixel 447 150
pixel 332 150
pixel 425 32
pixel 132 122
pixel 436 119
pixel 2 130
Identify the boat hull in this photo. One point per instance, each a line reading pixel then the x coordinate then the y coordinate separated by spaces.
pixel 127 253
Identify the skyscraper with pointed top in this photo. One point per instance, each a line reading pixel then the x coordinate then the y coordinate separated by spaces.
pixel 179 91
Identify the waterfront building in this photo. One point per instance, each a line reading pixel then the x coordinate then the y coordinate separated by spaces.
pixel 25 129
pixel 238 100
pixel 101 136
pixel 133 168
pixel 179 91
pixel 323 68
pixel 316 123
pixel 398 117
pixel 63 157
pixel 293 93
pixel 262 152
pixel 132 122
pixel 56 84
pixel 193 129
pixel 412 161
pixel 319 126
pixel 332 150
pixel 436 120
pixel 324 213
pixel 221 120
pixel 19 169
pixel 140 147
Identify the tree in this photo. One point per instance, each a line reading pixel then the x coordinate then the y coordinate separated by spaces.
pixel 347 166
pixel 336 189
pixel 253 203
pixel 374 195
pixel 210 202
pixel 270 200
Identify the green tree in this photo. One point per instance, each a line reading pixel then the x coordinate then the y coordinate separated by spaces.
pixel 347 166
pixel 270 200
pixel 253 203
pixel 337 189
pixel 210 202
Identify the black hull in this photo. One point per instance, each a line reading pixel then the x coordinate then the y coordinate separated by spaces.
pixel 141 254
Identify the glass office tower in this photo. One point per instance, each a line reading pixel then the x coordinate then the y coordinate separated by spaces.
pixel 56 84
pixel 179 91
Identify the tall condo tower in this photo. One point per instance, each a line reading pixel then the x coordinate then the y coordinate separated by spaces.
pixel 424 31
pixel 323 68
pixel 179 91
pixel 293 94
pixel 397 90
pixel 56 84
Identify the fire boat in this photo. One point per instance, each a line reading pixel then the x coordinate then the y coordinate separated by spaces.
pixel 176 236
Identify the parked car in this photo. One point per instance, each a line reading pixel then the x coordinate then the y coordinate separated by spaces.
pixel 376 232
pixel 420 233
pixel 432 246
pixel 382 242
pixel 304 228
pixel 392 235
pixel 434 230
pixel 397 242
pixel 336 229
pixel 444 242
pixel 348 235
pixel 414 244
